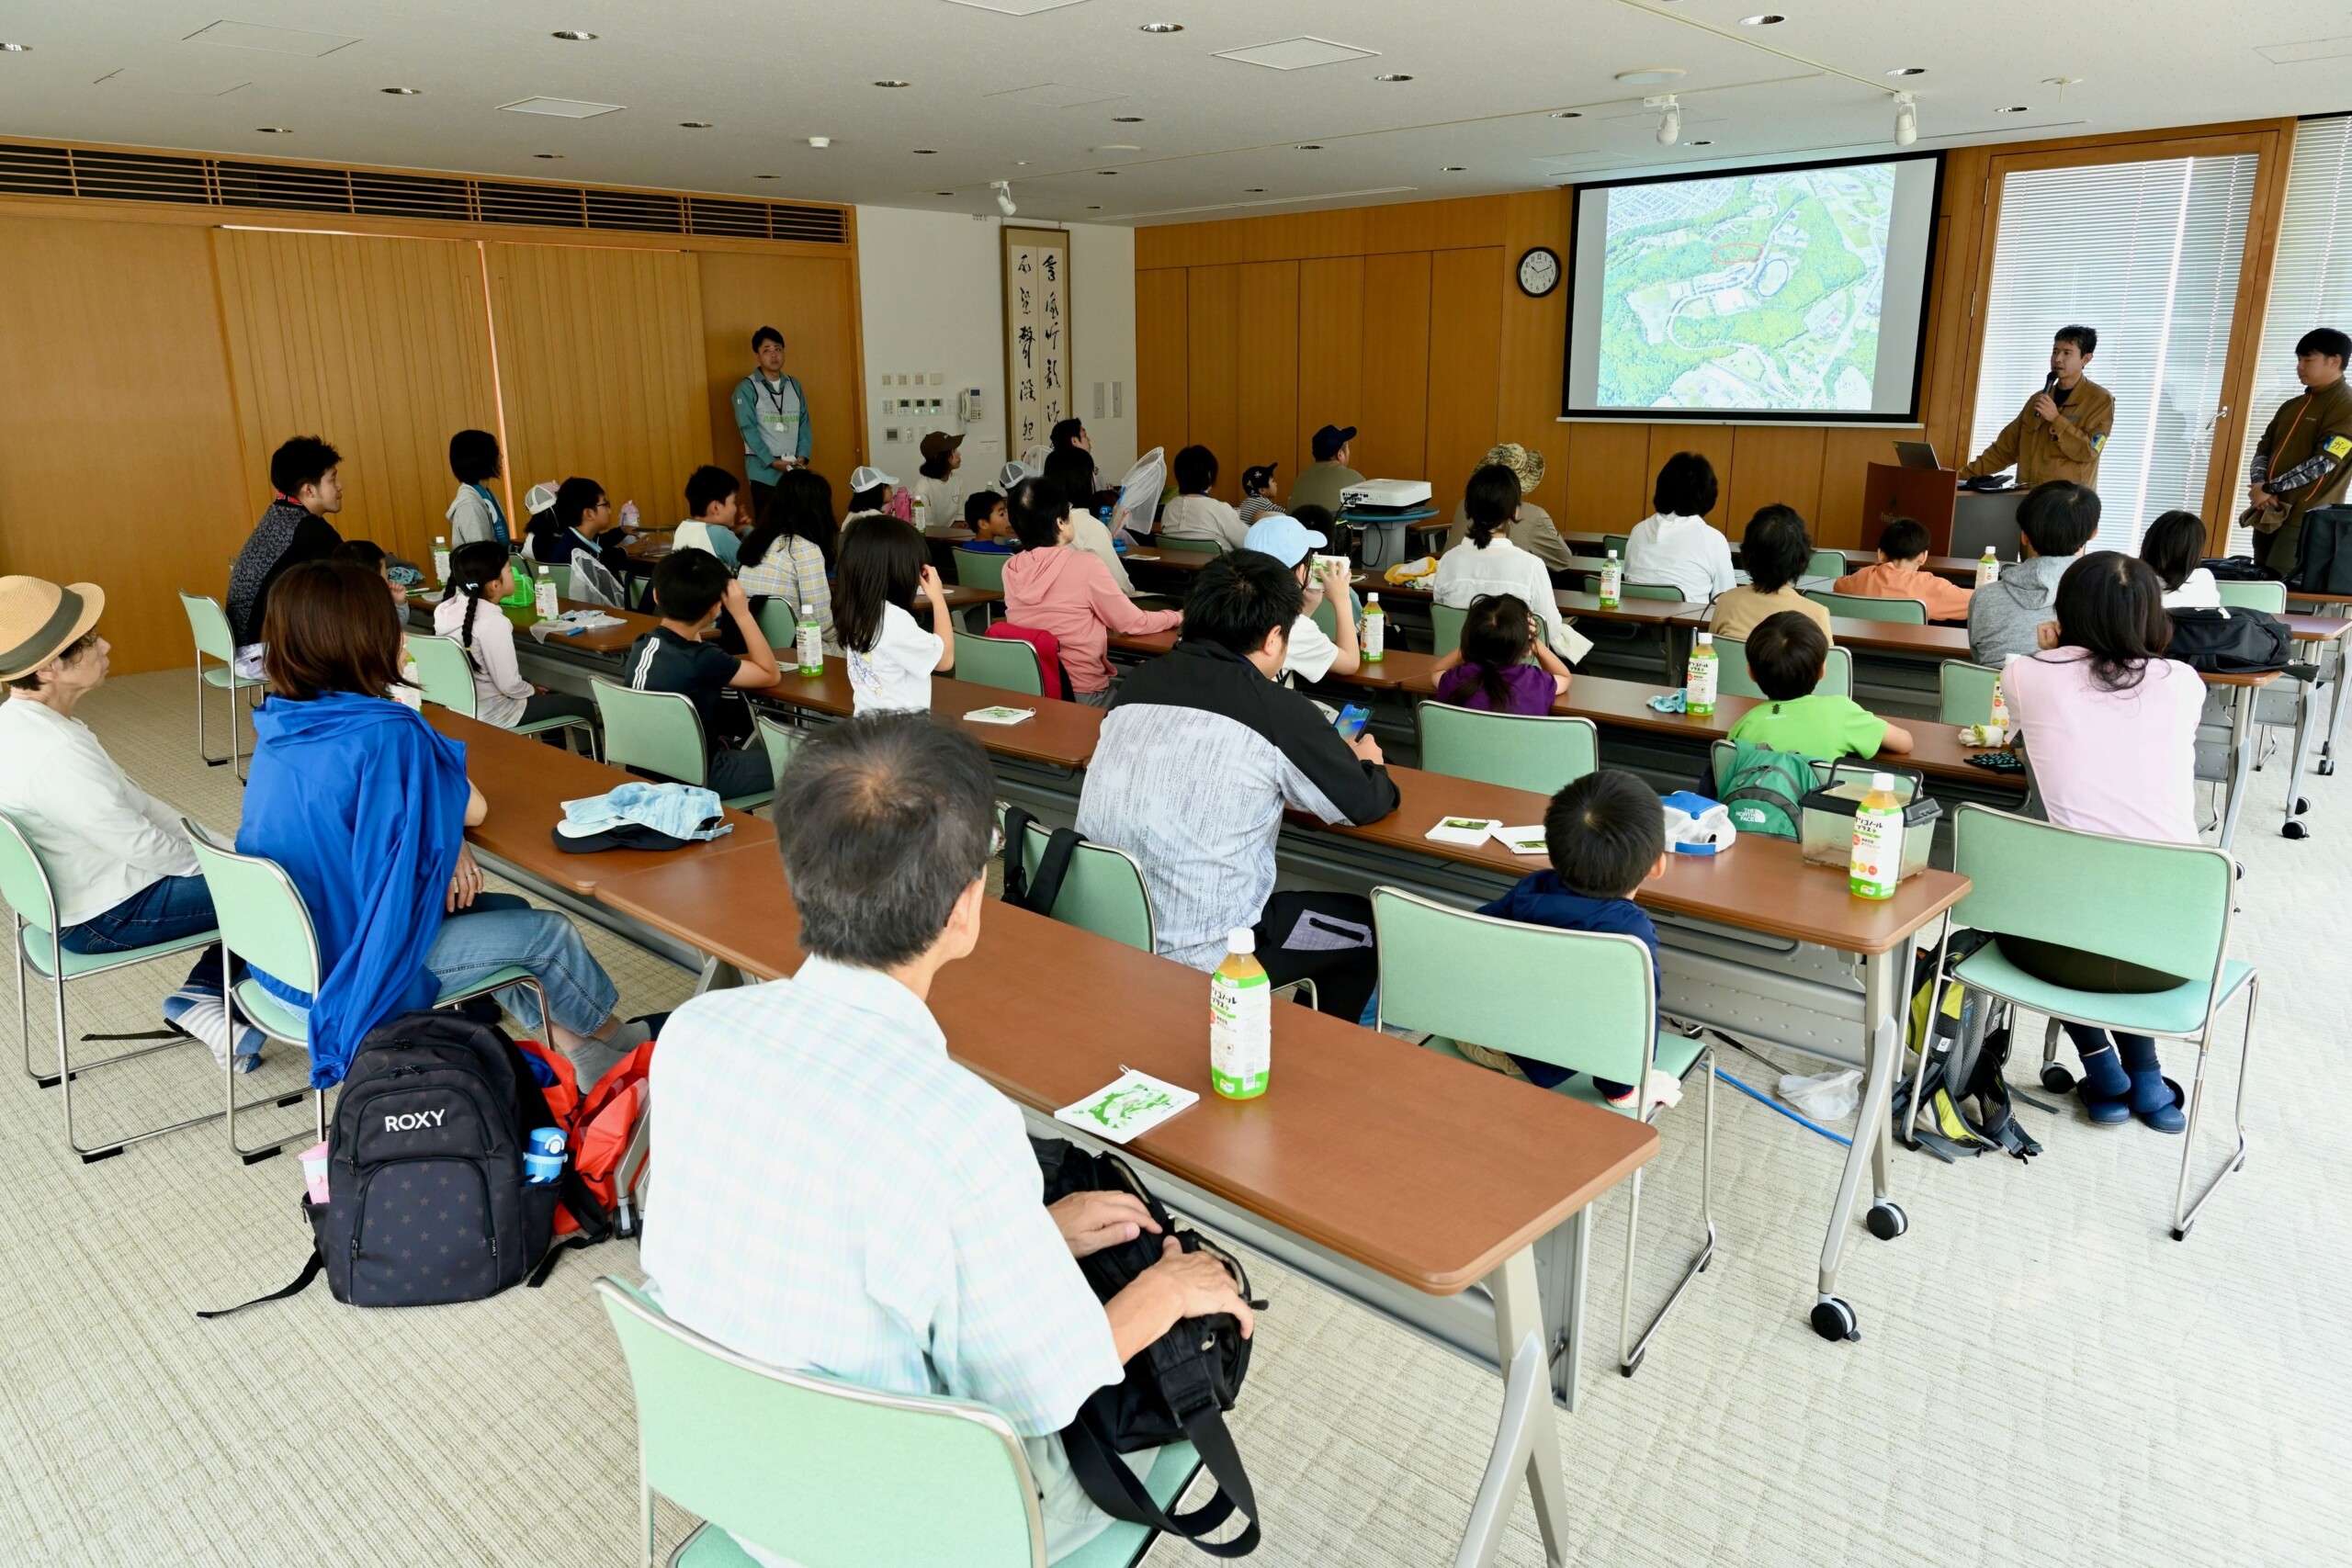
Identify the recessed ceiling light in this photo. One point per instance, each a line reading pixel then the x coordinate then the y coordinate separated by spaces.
pixel 1116 147
pixel 1310 146
pixel 926 151
pixel 2061 80
pixel 1253 190
pixel 572 35
pixel 1649 75
pixel 893 82
pixel 1161 28
pixel 553 156
pixel 1567 114
pixel 1451 169
pixel 15 49
pixel 1908 71
pixel 694 125
pixel 1392 76
pixel 1106 171
pixel 2014 108
pixel 401 92
pixel 1702 142
pixel 1762 19
pixel 943 193
pixel 767 176
pixel 275 129
pixel 1127 120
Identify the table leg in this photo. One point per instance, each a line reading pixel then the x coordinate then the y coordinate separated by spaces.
pixel 2335 708
pixel 1560 1260
pixel 2306 706
pixel 1882 974
pixel 1534 1428
pixel 2240 759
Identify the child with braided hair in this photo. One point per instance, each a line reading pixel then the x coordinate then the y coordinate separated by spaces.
pixel 482 571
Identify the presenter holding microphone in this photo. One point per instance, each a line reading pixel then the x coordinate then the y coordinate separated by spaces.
pixel 2063 428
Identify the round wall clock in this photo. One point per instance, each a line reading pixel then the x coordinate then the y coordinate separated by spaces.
pixel 1539 272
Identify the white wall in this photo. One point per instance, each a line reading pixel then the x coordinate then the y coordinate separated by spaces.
pixel 931 291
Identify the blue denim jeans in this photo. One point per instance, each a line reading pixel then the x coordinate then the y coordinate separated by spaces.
pixel 161 911
pixel 483 939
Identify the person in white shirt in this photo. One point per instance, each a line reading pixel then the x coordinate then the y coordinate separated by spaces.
pixel 2174 547
pixel 1676 546
pixel 1313 656
pixel 883 562
pixel 936 488
pixel 839 1195
pixel 1487 562
pixel 479 572
pixel 474 513
pixel 1196 514
pixel 118 861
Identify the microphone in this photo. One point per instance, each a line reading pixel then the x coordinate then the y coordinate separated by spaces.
pixel 2049 382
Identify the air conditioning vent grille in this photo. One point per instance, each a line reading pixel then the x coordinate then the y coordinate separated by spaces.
pixel 104 174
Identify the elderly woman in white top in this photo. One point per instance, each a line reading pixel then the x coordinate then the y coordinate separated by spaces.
pixel 1487 562
pixel 1676 546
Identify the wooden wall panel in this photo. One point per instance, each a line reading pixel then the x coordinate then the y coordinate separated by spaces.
pixel 601 369
pixel 1712 440
pixel 1330 348
pixel 1394 439
pixel 1771 464
pixel 1465 351
pixel 812 300
pixel 382 347
pixel 118 445
pixel 1608 478
pixel 1267 392
pixel 1212 306
pixel 1164 361
pixel 1533 335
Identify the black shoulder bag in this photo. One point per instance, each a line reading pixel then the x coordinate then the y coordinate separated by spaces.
pixel 1178 1387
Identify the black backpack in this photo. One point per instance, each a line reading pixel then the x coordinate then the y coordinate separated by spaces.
pixel 427 1204
pixel 2324 551
pixel 2232 641
pixel 1037 896
pixel 1968 1103
pixel 1179 1387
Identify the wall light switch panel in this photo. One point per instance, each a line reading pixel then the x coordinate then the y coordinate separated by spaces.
pixel 1118 400
pixel 1098 400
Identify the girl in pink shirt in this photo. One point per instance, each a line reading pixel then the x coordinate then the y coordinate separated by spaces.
pixel 1049 587
pixel 2110 728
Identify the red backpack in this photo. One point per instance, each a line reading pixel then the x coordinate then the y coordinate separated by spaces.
pixel 597 1128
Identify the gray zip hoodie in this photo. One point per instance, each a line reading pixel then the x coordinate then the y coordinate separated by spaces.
pixel 2002 618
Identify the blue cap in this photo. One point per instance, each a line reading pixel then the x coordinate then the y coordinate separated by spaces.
pixel 1282 536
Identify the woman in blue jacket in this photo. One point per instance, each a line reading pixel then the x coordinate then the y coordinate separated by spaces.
pixel 365 806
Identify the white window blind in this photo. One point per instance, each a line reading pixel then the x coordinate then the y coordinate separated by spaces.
pixel 2310 282
pixel 2147 254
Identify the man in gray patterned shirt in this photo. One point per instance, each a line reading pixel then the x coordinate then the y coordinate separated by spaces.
pixel 1201 754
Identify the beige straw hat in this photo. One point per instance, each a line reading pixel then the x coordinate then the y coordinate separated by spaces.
pixel 39 620
pixel 1527 465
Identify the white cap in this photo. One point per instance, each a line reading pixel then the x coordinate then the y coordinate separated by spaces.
pixel 1882 781
pixel 1612 555
pixel 1372 598
pixel 808 609
pixel 1241 938
pixel 1706 640
pixel 538 498
pixel 866 479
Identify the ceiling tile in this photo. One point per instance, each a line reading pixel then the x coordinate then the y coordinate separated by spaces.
pixel 1296 53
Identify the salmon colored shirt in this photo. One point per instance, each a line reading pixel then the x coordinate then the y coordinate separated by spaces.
pixel 1946 600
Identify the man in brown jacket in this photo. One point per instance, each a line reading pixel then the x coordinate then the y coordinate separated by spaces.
pixel 2304 459
pixel 2063 428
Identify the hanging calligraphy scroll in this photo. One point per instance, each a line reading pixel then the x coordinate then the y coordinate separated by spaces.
pixel 1037 336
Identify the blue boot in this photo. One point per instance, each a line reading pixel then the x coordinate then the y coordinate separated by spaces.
pixel 2105 1089
pixel 2151 1098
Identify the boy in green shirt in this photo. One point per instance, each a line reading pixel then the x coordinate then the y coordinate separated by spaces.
pixel 1787 654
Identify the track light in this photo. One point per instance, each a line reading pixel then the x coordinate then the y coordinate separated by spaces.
pixel 1003 189
pixel 1906 119
pixel 1669 119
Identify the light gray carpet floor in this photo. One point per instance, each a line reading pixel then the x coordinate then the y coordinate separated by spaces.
pixel 2044 1376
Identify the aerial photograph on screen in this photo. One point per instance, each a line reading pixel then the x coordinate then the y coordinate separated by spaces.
pixel 1748 291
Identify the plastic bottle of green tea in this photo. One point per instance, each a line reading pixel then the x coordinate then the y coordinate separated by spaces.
pixel 1241 1020
pixel 1877 862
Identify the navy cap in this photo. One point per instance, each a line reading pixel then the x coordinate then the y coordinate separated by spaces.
pixel 1329 439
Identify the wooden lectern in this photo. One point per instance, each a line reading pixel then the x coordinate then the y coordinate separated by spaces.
pixel 1925 495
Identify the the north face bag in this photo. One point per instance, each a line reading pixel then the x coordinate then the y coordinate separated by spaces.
pixel 1764 790
pixel 1178 1387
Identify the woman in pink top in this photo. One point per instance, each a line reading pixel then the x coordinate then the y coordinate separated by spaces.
pixel 2110 728
pixel 1069 592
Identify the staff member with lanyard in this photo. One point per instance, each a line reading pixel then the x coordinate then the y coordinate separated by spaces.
pixel 2301 460
pixel 2063 428
pixel 773 415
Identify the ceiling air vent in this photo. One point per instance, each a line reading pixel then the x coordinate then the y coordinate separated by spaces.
pixel 140 177
pixel 809 225
pixel 639 211
pixel 288 187
pixel 748 220
pixel 409 196
pixel 551 206
pixel 35 171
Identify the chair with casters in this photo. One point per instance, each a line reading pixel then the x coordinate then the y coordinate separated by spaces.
pixel 1008 662
pixel 818 1469
pixel 209 624
pixel 1583 1000
pixel 1538 753
pixel 2270 596
pixel 2164 907
pixel 979 569
pixel 25 883
pixel 660 733
pixel 1964 692
pixel 1863 608
pixel 264 921
pixel 1103 890
pixel 446 676
pixel 1733 678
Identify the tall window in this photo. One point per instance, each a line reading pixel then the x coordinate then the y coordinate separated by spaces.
pixel 2147 254
pixel 2311 281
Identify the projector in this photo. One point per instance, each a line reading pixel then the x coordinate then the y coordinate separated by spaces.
pixel 1385 495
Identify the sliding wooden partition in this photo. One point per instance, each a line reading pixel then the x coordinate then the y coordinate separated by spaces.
pixel 159 351
pixel 1408 321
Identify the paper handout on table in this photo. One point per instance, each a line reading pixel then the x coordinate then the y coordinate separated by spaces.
pixel 999 716
pixel 1466 830
pixel 1523 840
pixel 1130 1105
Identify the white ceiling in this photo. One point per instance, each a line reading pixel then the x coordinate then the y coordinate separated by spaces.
pixel 1032 97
